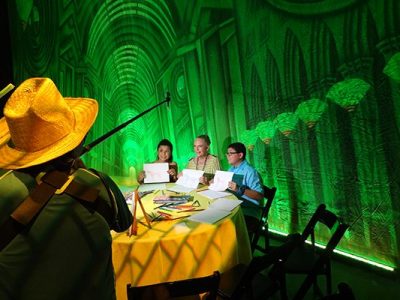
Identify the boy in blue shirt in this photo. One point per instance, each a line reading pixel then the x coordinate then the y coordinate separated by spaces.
pixel 250 189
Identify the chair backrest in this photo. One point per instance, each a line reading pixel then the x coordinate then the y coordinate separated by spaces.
pixel 261 263
pixel 170 290
pixel 330 220
pixel 337 229
pixel 269 195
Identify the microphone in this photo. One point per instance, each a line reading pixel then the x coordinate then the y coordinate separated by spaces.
pixel 7 89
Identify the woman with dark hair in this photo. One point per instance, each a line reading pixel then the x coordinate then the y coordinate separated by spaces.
pixel 164 155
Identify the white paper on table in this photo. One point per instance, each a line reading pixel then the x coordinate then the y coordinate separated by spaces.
pixel 152 187
pixel 180 189
pixel 209 216
pixel 221 180
pixel 181 228
pixel 225 204
pixel 190 178
pixel 213 194
pixel 157 172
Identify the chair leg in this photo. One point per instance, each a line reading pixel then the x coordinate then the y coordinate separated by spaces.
pixel 266 238
pixel 328 278
pixel 301 293
pixel 316 288
pixel 283 288
pixel 278 274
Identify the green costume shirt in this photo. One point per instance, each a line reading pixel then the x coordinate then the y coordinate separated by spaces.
pixel 65 254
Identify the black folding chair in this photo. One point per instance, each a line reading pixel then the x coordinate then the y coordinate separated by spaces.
pixel 257 227
pixel 175 289
pixel 307 259
pixel 238 282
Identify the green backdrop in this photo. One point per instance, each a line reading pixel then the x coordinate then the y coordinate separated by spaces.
pixel 311 85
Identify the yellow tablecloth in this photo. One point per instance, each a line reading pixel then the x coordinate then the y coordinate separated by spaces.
pixel 178 249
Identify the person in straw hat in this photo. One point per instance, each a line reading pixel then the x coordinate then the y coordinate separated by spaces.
pixel 55 219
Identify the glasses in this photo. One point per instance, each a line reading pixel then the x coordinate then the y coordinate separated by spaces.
pixel 231 153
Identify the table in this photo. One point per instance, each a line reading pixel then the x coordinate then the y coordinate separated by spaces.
pixel 178 249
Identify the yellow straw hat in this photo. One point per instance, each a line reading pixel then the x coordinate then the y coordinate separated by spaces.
pixel 39 124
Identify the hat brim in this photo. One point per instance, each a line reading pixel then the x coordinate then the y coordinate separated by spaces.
pixel 85 112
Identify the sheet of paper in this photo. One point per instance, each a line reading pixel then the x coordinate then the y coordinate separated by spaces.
pixel 213 194
pixel 209 216
pixel 181 228
pixel 190 178
pixel 225 204
pixel 221 180
pixel 147 187
pixel 180 189
pixel 157 172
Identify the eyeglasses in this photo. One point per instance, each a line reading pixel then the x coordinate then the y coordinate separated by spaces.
pixel 231 153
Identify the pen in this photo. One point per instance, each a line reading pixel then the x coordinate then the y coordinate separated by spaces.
pixel 164 214
pixel 167 209
pixel 157 218
pixel 190 210
pixel 184 206
pixel 162 205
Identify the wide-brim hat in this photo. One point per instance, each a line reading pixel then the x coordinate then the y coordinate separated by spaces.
pixel 39 124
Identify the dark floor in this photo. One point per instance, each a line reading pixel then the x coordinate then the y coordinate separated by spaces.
pixel 367 282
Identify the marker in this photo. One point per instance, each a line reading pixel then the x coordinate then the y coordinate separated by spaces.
pixel 190 210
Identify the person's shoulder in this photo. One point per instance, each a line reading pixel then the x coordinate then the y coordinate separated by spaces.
pixel 89 177
pixel 4 173
pixel 214 157
pixel 85 172
pixel 249 167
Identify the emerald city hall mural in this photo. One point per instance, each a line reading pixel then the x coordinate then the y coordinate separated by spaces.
pixel 312 87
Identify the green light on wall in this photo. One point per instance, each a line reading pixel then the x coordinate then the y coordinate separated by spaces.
pixel 130 148
pixel 181 87
pixel 286 122
pixel 266 131
pixel 348 93
pixel 249 138
pixel 310 111
pixel 392 68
